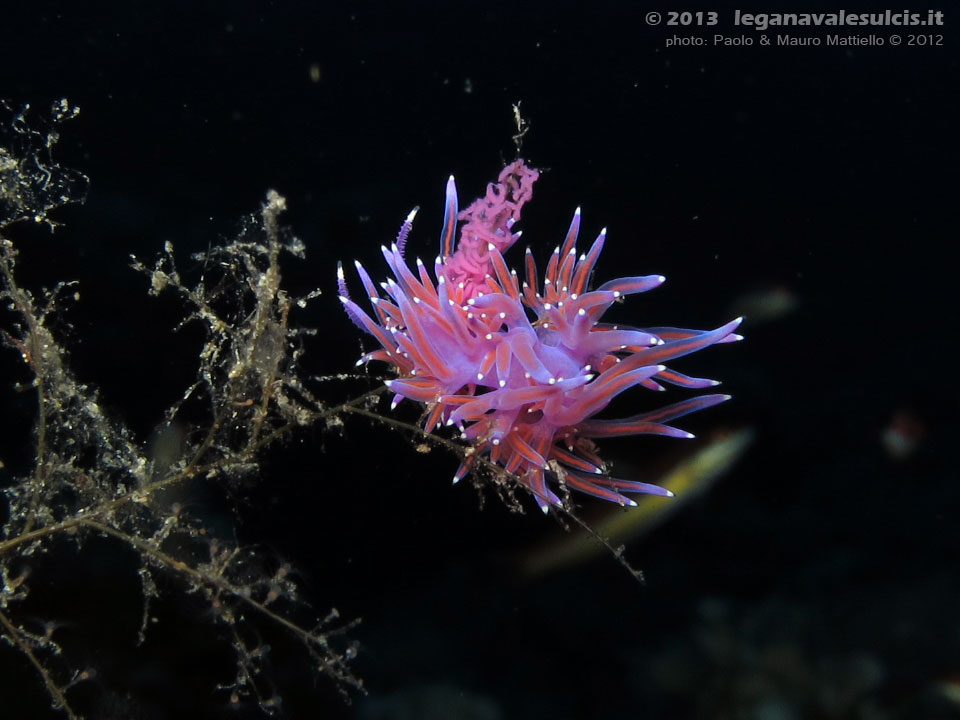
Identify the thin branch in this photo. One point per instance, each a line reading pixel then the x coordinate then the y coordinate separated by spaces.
pixel 56 692
pixel 32 351
pixel 305 636
pixel 143 493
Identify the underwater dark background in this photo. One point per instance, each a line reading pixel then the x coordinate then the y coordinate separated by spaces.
pixel 817 579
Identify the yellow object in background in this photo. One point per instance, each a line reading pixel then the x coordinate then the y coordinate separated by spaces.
pixel 688 480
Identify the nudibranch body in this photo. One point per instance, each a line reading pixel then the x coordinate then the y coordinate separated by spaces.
pixel 523 369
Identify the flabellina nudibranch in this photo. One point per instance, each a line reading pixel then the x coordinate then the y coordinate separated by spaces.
pixel 522 372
